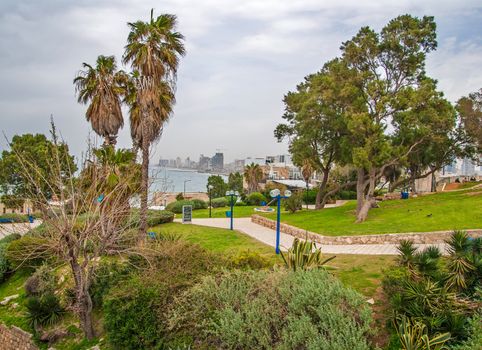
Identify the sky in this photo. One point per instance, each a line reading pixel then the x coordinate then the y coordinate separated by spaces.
pixel 242 57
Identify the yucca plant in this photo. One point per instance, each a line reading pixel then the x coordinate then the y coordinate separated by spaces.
pixel 413 335
pixel 427 261
pixel 407 254
pixel 304 255
pixel 459 265
pixel 44 311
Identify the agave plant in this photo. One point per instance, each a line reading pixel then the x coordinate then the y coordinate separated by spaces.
pixel 427 261
pixel 304 255
pixel 459 264
pixel 43 311
pixel 407 254
pixel 413 335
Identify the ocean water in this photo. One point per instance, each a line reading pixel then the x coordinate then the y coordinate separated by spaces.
pixel 172 180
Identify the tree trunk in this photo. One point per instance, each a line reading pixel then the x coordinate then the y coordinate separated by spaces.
pixel 318 203
pixel 368 201
pixel 83 299
pixel 144 189
pixel 360 189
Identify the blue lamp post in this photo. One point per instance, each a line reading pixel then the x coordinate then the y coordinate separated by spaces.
pixel 276 194
pixel 232 194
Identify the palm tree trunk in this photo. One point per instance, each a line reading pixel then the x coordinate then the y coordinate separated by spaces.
pixel 144 188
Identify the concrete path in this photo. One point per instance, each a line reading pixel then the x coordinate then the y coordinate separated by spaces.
pixel 268 237
pixel 21 228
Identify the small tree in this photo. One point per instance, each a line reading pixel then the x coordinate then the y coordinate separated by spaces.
pixel 219 186
pixel 235 182
pixel 89 216
pixel 253 175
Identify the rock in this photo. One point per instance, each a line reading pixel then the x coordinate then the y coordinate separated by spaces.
pixel 14 305
pixel 371 301
pixel 7 299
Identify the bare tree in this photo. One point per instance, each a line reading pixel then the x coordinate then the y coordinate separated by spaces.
pixel 86 217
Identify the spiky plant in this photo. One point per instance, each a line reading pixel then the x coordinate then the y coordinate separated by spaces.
pixel 304 255
pixel 406 250
pixel 459 265
pixel 413 335
pixel 427 261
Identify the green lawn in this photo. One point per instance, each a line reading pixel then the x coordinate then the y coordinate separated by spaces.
pixel 217 239
pixel 239 212
pixel 441 211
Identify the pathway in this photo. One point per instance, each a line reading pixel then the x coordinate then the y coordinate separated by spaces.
pixel 21 228
pixel 268 236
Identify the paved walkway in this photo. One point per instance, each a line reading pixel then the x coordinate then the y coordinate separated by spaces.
pixel 21 228
pixel 268 237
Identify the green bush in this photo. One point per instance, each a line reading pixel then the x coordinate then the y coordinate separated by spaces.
pixel 309 197
pixel 219 202
pixel 247 259
pixel 255 198
pixel 107 275
pixel 265 310
pixel 199 204
pixel 346 195
pixel 43 311
pixel 240 204
pixel 28 251
pixel 293 203
pixel 42 282
pixel 176 207
pixel 154 218
pixel 13 217
pixel 135 310
pixel 4 263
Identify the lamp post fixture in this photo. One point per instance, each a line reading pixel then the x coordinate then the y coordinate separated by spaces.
pixel 210 188
pixel 232 194
pixel 276 194
pixel 184 193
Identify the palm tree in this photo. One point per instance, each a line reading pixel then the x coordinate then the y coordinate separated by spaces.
pixel 253 174
pixel 103 87
pixel 153 49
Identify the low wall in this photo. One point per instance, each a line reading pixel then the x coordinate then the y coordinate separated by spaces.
pixel 13 338
pixel 387 238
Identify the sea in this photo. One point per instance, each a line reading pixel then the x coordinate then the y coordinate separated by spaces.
pixel 173 180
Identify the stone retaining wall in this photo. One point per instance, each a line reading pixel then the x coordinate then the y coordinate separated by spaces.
pixel 387 238
pixel 13 338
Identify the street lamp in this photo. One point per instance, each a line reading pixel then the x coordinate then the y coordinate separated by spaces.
pixel 232 194
pixel 276 194
pixel 184 195
pixel 210 188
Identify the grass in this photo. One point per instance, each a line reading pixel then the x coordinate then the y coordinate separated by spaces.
pixel 239 212
pixel 14 285
pixel 361 272
pixel 441 211
pixel 218 240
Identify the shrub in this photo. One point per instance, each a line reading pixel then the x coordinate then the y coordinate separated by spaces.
pixel 13 217
pixel 240 204
pixel 309 197
pixel 179 196
pixel 43 311
pixel 255 198
pixel 249 260
pixel 135 310
pixel 4 263
pixel 219 202
pixel 42 282
pixel 176 207
pixel 265 309
pixel 154 218
pixel 107 275
pixel 293 203
pixel 346 195
pixel 199 204
pixel 28 251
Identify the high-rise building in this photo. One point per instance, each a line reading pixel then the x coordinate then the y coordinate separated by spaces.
pixel 163 162
pixel 204 163
pixel 468 167
pixel 217 162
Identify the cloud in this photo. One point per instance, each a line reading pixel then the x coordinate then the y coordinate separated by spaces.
pixel 243 56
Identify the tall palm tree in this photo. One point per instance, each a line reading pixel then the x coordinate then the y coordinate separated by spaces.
pixel 253 175
pixel 153 49
pixel 103 87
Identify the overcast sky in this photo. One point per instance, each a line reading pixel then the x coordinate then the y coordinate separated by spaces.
pixel 242 57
